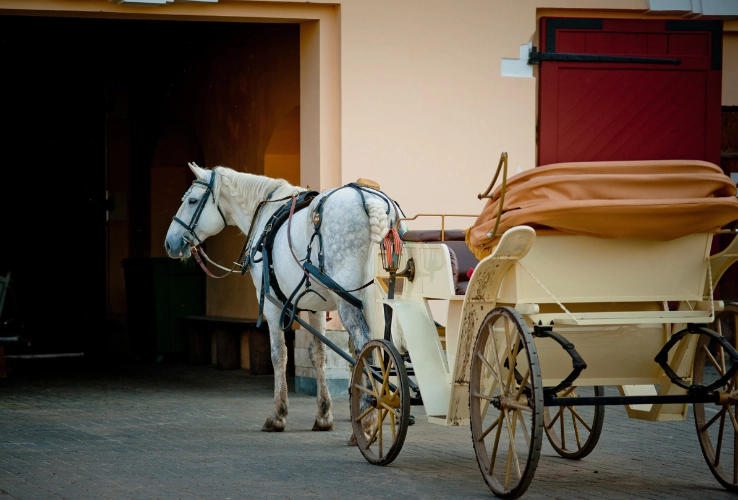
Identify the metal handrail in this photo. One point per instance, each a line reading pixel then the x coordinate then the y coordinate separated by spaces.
pixel 443 220
pixel 502 162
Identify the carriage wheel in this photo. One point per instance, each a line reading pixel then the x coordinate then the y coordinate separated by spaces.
pixel 506 405
pixel 717 425
pixel 380 427
pixel 573 431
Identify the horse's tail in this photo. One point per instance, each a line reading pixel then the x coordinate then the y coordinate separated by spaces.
pixel 378 222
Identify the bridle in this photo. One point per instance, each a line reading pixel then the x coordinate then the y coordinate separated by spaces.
pixel 200 207
pixel 196 249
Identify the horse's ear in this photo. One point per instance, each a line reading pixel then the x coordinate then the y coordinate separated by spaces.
pixel 199 172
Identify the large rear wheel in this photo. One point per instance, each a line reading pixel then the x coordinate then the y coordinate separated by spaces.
pixel 506 403
pixel 717 425
pixel 380 402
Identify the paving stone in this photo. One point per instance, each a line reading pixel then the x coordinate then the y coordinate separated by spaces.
pixel 148 431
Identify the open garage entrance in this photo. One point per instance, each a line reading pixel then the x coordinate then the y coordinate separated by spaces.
pixel 99 118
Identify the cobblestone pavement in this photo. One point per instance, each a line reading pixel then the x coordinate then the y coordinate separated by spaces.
pixel 143 431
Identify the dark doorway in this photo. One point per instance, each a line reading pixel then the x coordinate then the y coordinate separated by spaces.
pixel 52 144
pixel 64 80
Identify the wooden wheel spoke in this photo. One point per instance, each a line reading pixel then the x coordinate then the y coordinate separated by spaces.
pixel 492 371
pixel 394 411
pixel 563 433
pixel 512 453
pixel 495 381
pixel 364 389
pixel 496 372
pixel 553 420
pixel 483 396
pixel 364 414
pixel 713 361
pixel 369 372
pixel 377 428
pixel 566 392
pixel 393 426
pixel 511 362
pixel 719 439
pixel 522 384
pixel 575 414
pixel 381 433
pixel 576 428
pixel 497 443
pixel 519 415
pixel 385 371
pixel 490 428
pixel 712 420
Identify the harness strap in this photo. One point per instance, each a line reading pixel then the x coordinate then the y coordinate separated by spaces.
pixel 265 244
pixel 246 253
pixel 301 201
pixel 328 282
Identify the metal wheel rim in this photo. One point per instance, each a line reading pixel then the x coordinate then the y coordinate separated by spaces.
pixel 568 418
pixel 713 430
pixel 490 425
pixel 391 408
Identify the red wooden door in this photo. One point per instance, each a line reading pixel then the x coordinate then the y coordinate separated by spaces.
pixel 593 106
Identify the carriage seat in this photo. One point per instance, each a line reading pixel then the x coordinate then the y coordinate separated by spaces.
pixel 462 258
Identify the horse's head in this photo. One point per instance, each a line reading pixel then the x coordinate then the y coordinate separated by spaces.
pixel 198 217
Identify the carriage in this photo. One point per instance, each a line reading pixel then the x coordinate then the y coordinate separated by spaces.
pixel 521 335
pixel 579 286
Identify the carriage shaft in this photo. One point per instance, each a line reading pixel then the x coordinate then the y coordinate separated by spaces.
pixel 315 332
pixel 712 397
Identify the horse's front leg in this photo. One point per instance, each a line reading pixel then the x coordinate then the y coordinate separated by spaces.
pixel 316 350
pixel 278 419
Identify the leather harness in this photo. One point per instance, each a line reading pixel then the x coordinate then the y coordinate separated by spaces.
pixel 265 243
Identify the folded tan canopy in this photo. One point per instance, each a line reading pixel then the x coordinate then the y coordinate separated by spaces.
pixel 657 200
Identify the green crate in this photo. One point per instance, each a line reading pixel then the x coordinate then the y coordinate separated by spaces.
pixel 159 291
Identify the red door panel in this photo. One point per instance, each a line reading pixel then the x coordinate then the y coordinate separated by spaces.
pixel 598 111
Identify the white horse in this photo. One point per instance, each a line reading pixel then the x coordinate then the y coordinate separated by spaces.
pixel 350 220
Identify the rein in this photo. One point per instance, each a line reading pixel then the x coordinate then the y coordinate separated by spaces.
pixel 197 249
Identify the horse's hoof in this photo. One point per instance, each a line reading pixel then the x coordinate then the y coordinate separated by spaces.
pixel 322 427
pixel 352 441
pixel 272 426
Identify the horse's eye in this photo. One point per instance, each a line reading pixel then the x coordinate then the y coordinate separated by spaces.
pixel 193 201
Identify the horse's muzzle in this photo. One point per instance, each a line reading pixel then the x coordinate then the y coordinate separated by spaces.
pixel 179 248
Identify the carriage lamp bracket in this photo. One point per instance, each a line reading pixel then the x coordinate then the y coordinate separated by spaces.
pixel 409 271
pixel 663 356
pixel 577 362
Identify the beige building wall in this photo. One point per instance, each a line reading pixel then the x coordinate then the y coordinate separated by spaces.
pixel 410 94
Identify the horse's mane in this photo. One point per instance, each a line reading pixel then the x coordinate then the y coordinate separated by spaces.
pixel 250 189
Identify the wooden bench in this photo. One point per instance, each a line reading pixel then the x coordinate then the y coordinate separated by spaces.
pixel 229 343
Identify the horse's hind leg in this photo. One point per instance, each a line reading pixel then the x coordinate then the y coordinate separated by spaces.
pixel 355 323
pixel 278 419
pixel 316 350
